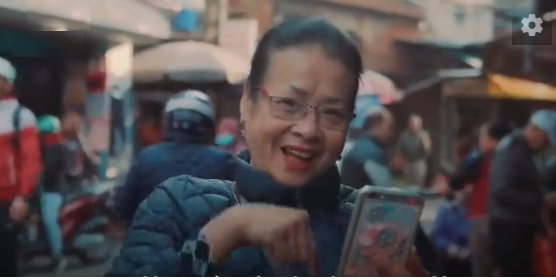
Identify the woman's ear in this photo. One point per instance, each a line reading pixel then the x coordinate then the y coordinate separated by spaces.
pixel 244 103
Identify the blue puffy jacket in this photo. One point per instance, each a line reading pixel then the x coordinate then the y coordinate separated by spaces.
pixel 165 160
pixel 178 209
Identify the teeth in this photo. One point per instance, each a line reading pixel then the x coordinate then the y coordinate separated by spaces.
pixel 300 154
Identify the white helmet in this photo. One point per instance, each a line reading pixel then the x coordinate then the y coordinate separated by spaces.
pixel 7 70
pixel 190 113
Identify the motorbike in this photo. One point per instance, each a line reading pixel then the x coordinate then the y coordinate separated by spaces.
pixel 85 219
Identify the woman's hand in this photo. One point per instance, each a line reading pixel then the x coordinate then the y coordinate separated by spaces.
pixel 283 233
pixel 385 266
pixel 412 268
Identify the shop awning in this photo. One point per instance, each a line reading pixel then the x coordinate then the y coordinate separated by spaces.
pixel 188 62
pixel 495 85
pixel 501 86
pixel 134 19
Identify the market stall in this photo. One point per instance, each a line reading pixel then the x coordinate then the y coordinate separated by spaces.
pixel 472 100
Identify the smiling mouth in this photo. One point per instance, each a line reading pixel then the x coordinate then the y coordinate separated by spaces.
pixel 298 154
pixel 298 159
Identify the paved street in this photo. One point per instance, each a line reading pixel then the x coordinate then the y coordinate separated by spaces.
pixel 38 267
pixel 74 270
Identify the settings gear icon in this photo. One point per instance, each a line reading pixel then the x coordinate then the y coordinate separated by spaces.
pixel 527 21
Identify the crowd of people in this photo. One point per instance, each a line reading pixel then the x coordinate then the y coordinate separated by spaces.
pixel 41 159
pixel 497 194
pixel 502 202
pixel 272 193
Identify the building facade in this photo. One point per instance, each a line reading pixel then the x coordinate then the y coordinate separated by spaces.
pixel 375 24
pixel 471 22
pixel 261 10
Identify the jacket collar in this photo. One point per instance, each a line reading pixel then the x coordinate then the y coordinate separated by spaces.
pixel 256 186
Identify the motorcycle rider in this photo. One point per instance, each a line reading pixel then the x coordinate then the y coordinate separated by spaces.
pixel 186 149
pixel 54 167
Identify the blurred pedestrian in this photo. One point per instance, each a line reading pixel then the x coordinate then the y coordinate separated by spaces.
pixel 370 148
pixel 515 198
pixel 414 145
pixel 548 179
pixel 228 136
pixel 548 174
pixel 474 172
pixel 19 166
pixel 81 159
pixel 54 177
pixel 450 234
pixel 466 141
pixel 150 131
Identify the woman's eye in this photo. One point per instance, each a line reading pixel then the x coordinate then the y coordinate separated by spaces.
pixel 332 112
pixel 287 104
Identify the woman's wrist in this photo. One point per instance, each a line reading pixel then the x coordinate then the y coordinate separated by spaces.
pixel 238 225
pixel 223 235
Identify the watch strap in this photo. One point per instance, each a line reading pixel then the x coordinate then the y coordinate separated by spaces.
pixel 197 252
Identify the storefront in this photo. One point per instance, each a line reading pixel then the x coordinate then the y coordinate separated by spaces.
pixel 468 102
pixel 85 70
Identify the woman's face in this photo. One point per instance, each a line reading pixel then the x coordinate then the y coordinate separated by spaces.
pixel 295 147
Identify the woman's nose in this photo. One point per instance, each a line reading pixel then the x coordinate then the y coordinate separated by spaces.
pixel 308 127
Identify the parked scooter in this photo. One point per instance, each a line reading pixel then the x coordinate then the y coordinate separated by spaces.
pixel 85 219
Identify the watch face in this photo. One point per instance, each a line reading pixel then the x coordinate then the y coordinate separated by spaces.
pixel 202 251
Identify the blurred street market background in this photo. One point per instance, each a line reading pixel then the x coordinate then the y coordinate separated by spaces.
pixel 455 63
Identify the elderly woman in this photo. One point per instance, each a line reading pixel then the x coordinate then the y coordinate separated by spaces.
pixel 296 108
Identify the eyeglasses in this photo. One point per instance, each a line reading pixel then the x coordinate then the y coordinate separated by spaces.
pixel 290 109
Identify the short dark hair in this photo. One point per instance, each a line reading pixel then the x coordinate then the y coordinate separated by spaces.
pixel 304 32
pixel 499 129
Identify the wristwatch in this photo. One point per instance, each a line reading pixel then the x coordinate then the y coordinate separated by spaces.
pixel 198 253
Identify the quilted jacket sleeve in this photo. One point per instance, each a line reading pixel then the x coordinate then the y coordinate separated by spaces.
pixel 152 244
pixel 173 213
